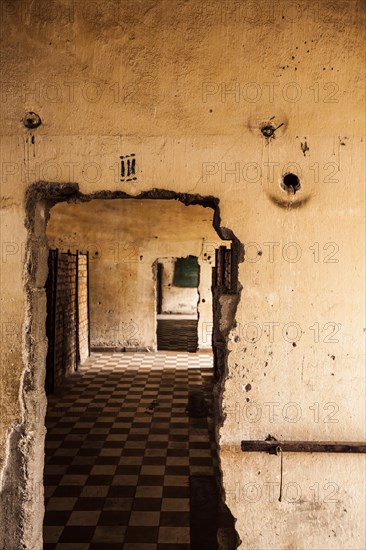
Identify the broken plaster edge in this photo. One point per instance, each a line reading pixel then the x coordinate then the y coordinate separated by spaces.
pixel 29 533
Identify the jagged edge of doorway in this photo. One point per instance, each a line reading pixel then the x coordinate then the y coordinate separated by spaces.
pixel 23 469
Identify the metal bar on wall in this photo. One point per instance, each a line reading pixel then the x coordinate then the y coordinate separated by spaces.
pixel 273 446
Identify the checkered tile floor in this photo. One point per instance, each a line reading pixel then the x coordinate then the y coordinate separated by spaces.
pixel 120 449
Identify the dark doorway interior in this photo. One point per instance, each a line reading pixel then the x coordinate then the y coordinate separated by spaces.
pixel 67 322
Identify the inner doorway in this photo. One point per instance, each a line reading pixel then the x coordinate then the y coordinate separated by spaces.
pixel 177 291
pixel 125 245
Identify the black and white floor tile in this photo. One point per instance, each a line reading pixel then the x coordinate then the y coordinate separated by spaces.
pixel 121 448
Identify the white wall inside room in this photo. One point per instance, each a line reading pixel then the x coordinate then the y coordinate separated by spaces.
pixel 176 300
pixel 124 239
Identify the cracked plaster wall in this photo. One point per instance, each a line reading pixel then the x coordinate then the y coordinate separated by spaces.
pixel 154 78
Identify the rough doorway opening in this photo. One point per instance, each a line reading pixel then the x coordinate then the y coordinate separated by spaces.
pixel 24 471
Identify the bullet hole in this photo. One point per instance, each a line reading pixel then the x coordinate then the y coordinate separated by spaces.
pixel 141 258
pixel 291 183
pixel 294 344
pixel 268 130
pixel 260 252
pixel 332 357
pixel 209 257
pixel 31 120
pixel 203 300
pixel 248 387
pixel 236 338
pixel 211 110
pixel 247 399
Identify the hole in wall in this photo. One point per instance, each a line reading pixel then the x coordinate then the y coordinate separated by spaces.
pixel 31 120
pixel 40 198
pixel 268 130
pixel 290 183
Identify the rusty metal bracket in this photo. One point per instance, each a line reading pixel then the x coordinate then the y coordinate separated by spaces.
pixel 273 447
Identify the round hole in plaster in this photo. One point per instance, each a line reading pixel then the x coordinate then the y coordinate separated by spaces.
pixel 268 130
pixel 290 183
pixel 203 300
pixel 31 120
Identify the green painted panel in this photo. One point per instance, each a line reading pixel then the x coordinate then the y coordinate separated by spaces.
pixel 186 272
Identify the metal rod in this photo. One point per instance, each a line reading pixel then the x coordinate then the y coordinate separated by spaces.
pixel 273 446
